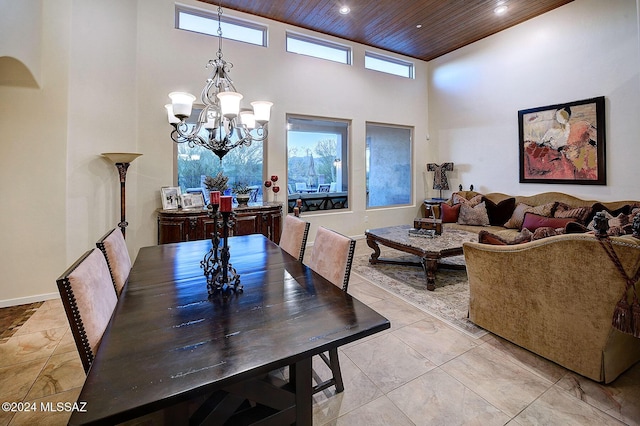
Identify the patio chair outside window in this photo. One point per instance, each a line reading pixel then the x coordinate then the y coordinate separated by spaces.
pixel 324 187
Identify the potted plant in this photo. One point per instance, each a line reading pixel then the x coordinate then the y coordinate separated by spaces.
pixel 217 183
pixel 242 192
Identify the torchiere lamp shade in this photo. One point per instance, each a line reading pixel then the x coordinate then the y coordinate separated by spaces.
pixel 121 157
pixel 122 160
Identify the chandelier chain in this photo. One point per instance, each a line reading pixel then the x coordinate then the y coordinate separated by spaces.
pixel 219 54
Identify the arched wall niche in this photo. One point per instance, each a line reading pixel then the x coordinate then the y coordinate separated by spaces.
pixel 14 72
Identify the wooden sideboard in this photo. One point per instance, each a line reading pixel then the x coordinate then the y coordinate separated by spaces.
pixel 195 224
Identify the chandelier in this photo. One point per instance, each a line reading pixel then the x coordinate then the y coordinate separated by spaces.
pixel 226 125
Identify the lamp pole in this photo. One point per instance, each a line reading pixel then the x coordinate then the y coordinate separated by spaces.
pixel 122 160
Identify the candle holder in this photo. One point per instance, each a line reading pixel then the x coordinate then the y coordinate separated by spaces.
pixel 211 261
pixel 222 278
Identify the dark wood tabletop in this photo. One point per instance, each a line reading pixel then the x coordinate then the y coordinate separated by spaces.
pixel 167 342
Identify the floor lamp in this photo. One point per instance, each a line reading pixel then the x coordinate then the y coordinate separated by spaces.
pixel 122 161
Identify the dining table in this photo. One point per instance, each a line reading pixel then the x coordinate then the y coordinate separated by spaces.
pixel 172 348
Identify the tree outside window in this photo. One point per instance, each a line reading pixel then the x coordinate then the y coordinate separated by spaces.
pixel 241 165
pixel 317 153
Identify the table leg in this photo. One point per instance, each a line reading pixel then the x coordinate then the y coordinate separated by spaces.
pixel 430 266
pixel 304 397
pixel 376 250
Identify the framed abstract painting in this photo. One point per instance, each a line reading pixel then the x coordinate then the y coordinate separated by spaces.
pixel 563 143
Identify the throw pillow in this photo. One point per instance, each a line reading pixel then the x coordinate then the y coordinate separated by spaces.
pixel 450 213
pixel 581 214
pixel 472 202
pixel 501 212
pixel 534 221
pixel 546 231
pixel 598 207
pixel 515 222
pixel 575 228
pixel 473 215
pixel 487 237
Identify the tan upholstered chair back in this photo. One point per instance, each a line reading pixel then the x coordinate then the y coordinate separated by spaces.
pixel 89 299
pixel 332 256
pixel 294 236
pixel 114 248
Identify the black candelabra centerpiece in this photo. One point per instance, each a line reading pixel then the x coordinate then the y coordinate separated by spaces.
pixel 222 278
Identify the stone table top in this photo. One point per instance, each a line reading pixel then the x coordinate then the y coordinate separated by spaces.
pixel 450 238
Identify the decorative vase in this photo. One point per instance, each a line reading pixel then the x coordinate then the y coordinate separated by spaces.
pixel 242 199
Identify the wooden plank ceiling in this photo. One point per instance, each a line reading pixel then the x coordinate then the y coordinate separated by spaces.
pixel 446 25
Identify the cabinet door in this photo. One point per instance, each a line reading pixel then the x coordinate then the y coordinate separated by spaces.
pixel 275 221
pixel 269 222
pixel 247 224
pixel 192 228
pixel 206 227
pixel 171 230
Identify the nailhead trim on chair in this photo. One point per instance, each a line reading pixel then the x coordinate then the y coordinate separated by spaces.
pixel 103 249
pixel 304 241
pixel 71 307
pixel 347 273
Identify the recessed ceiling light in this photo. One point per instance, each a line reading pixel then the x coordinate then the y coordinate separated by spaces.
pixel 500 10
pixel 344 10
pixel 419 26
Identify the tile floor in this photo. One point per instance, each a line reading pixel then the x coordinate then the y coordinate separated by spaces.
pixel 420 372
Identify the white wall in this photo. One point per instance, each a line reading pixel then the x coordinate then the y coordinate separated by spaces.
pixel 296 84
pixel 32 169
pixel 584 49
pixel 107 67
pixel 21 42
pixel 102 117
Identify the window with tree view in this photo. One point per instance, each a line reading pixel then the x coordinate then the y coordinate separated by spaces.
pixel 388 165
pixel 317 163
pixel 241 165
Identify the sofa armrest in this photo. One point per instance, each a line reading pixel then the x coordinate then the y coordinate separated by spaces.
pixel 553 296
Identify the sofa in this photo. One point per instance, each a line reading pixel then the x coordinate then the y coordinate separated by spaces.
pixel 555 296
pixel 501 208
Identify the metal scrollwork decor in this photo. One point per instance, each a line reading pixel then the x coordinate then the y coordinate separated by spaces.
pixel 222 278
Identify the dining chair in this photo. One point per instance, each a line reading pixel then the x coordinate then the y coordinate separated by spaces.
pixel 115 251
pixel 294 236
pixel 89 299
pixel 331 257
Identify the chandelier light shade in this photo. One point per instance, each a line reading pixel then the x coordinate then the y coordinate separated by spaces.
pixel 230 104
pixel 181 104
pixel 248 119
pixel 227 125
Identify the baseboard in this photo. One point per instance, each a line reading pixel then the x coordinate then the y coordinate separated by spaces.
pixel 30 299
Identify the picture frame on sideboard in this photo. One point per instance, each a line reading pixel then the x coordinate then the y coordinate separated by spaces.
pixel 170 196
pixel 192 200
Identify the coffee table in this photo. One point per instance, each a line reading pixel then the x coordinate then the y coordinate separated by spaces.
pixel 428 249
